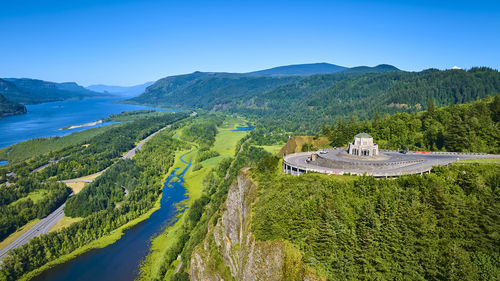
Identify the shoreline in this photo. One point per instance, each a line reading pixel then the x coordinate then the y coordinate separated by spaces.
pixel 82 125
pixel 102 242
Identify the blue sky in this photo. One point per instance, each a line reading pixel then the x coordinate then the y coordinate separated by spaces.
pixel 131 42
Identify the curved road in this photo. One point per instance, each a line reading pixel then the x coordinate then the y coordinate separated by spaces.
pixel 415 163
pixel 45 224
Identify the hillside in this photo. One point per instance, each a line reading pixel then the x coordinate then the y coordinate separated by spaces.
pixel 212 90
pixel 300 69
pixel 32 91
pixel 208 90
pixel 9 108
pixel 304 104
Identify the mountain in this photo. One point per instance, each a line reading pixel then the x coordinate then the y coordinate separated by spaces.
pixel 32 91
pixel 381 68
pixel 120 90
pixel 7 107
pixel 211 89
pixel 205 89
pixel 304 103
pixel 300 69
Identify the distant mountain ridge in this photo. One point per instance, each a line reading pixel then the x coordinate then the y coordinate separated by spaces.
pixel 125 91
pixel 300 69
pixel 32 91
pixel 209 89
pixel 311 100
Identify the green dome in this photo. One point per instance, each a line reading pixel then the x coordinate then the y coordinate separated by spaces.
pixel 363 136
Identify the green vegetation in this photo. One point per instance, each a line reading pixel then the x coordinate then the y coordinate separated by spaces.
pixel 10 108
pixel 151 163
pixel 31 91
pixel 22 202
pixel 11 238
pixel 168 245
pixel 439 226
pixel 136 114
pixel 104 149
pixel 40 146
pixel 301 104
pixel 470 127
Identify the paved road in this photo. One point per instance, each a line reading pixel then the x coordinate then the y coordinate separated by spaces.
pixel 43 226
pixel 411 163
pixel 48 164
pixel 132 152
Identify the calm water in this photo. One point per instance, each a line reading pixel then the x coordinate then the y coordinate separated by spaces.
pixel 44 120
pixel 242 128
pixel 120 261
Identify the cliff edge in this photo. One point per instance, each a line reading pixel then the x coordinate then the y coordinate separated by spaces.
pixel 230 251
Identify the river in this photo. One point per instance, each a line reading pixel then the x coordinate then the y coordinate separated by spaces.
pixel 121 260
pixel 45 119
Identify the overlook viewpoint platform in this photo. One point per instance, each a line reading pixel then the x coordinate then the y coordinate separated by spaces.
pixel 388 163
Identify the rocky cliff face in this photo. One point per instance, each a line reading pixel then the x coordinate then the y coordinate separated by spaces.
pixel 230 252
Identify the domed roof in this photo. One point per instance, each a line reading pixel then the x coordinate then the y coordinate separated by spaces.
pixel 363 136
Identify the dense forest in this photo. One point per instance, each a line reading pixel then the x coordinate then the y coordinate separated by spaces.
pixel 441 226
pixel 471 127
pixel 143 178
pixel 10 108
pixel 18 208
pixel 105 148
pixel 21 184
pixel 302 104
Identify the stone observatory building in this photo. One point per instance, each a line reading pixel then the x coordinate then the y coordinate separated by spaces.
pixel 363 146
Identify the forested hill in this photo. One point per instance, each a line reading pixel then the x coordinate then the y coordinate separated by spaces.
pixel 305 103
pixel 217 90
pixel 469 127
pixel 32 91
pixel 10 108
pixel 300 69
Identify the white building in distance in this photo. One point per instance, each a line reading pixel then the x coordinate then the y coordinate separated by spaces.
pixel 363 146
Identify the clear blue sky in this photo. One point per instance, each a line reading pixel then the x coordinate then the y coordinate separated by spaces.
pixel 130 42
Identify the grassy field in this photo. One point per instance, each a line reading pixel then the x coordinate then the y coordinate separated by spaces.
pixel 76 186
pixel 89 177
pixel 225 143
pixel 65 221
pixel 273 149
pixel 35 196
pixel 35 147
pixel 481 161
pixel 18 233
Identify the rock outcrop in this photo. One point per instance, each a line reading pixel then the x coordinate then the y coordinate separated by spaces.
pixel 230 251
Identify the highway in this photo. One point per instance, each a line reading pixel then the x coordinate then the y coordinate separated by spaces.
pixel 45 224
pixel 41 227
pixel 132 152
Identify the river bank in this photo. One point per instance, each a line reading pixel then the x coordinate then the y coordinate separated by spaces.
pixel 46 119
pixel 125 247
pixel 225 144
pixel 82 125
pixel 97 244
